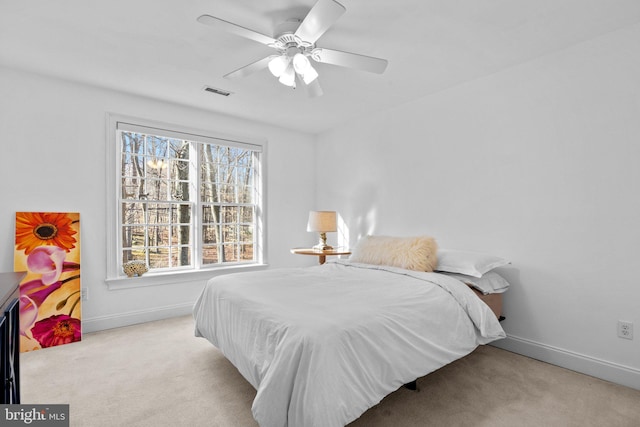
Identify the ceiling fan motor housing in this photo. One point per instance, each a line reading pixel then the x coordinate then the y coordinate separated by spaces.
pixel 289 44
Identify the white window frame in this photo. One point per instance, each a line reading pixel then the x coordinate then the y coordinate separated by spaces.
pixel 115 277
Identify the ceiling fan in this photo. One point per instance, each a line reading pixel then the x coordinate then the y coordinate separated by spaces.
pixel 295 44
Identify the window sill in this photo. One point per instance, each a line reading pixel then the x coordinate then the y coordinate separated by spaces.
pixel 176 277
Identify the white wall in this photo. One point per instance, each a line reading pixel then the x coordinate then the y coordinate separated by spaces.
pixel 52 135
pixel 538 164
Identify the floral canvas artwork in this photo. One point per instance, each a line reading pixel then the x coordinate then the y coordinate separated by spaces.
pixel 48 249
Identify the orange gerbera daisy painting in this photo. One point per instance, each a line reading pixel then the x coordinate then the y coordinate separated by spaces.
pixel 35 229
pixel 48 250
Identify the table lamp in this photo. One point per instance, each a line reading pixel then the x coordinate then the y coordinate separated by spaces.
pixel 322 222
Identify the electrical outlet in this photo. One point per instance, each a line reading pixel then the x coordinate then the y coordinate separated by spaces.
pixel 625 329
pixel 84 294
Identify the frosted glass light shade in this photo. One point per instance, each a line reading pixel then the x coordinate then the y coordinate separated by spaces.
pixel 310 75
pixel 288 77
pixel 300 63
pixel 278 65
pixel 322 221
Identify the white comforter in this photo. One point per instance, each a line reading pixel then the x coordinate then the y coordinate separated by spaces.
pixel 323 344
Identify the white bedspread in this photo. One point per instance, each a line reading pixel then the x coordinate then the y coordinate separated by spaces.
pixel 323 344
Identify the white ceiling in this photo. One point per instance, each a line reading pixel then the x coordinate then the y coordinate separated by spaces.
pixel 156 48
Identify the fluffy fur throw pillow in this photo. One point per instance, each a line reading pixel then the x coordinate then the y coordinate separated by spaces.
pixel 410 253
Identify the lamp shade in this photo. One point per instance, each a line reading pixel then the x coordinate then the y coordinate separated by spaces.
pixel 322 221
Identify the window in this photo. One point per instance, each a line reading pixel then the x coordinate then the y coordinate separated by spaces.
pixel 185 200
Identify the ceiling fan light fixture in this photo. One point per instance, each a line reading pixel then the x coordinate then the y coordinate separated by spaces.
pixel 288 77
pixel 310 75
pixel 295 44
pixel 301 63
pixel 278 65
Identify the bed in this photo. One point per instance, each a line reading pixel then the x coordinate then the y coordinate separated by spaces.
pixel 323 344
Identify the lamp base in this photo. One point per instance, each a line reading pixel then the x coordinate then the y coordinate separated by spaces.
pixel 322 244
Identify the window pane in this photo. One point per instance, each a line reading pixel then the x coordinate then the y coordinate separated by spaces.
pixel 209 172
pixel 181 235
pixel 156 189
pixel 246 214
pixel 180 256
pixel 133 236
pixel 243 175
pixel 131 187
pixel 158 257
pixel 158 213
pixel 137 254
pixel 229 214
pixel 229 234
pixel 179 190
pixel 209 153
pixel 246 252
pixel 226 193
pixel 156 168
pixel 245 194
pixel 179 169
pixel 131 142
pixel 244 159
pixel 210 255
pixel 209 234
pixel 156 145
pixel 208 193
pixel 210 214
pixel 132 165
pixel 158 235
pixel 230 253
pixel 180 213
pixel 246 233
pixel 133 213
pixel 179 149
pixel 224 155
pixel 225 172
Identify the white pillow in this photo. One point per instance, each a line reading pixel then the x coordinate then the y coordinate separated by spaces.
pixel 466 262
pixel 410 253
pixel 490 282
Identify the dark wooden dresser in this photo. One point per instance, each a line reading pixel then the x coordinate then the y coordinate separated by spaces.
pixel 10 337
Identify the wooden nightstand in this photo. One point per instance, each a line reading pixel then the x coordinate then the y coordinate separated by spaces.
pixel 322 255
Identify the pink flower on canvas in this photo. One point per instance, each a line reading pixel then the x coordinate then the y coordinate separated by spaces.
pixel 28 314
pixel 57 330
pixel 47 261
pixel 37 291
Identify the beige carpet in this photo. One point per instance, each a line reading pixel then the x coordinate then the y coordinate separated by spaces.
pixel 159 374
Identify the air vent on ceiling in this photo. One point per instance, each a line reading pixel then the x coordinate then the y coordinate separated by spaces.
pixel 217 91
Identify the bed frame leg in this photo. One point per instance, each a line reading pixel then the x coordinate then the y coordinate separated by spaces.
pixel 412 385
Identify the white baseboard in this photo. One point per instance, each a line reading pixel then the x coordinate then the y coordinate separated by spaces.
pixel 608 371
pixel 134 317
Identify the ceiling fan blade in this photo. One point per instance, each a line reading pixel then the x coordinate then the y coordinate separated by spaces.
pixel 314 90
pixel 236 29
pixel 321 16
pixel 350 60
pixel 259 65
